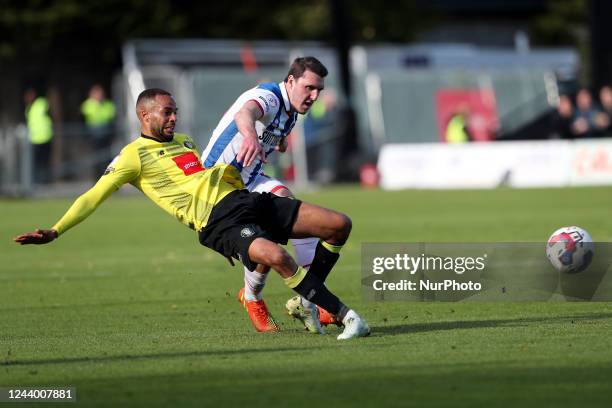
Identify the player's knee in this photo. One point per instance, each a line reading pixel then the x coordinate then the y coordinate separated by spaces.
pixel 261 251
pixel 346 225
pixel 278 257
pixel 342 226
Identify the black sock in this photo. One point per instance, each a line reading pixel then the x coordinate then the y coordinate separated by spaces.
pixel 325 257
pixel 311 288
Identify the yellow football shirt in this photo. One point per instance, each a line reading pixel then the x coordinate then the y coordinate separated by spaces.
pixel 169 173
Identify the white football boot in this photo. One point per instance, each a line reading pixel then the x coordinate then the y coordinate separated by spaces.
pixel 354 326
pixel 307 314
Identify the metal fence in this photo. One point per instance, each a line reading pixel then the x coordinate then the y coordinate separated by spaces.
pixel 402 106
pixel 393 101
pixel 74 157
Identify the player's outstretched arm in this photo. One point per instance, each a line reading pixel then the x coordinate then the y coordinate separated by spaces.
pixel 80 209
pixel 39 236
pixel 121 170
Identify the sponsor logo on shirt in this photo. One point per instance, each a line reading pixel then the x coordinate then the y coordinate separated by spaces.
pixel 272 101
pixel 269 138
pixel 266 104
pixel 188 144
pixel 189 163
pixel 269 102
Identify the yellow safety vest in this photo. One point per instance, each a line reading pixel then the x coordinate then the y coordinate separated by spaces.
pixel 98 113
pixel 40 126
pixel 455 131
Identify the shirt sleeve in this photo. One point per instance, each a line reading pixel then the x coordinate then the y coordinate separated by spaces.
pixel 267 101
pixel 123 169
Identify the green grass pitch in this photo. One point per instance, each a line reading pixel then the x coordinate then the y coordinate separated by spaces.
pixel 132 311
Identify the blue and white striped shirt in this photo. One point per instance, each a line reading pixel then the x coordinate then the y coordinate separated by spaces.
pixel 275 124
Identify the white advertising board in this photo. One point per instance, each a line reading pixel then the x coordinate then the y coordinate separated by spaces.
pixel 592 163
pixel 553 163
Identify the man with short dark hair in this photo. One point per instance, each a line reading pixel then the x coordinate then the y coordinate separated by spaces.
pixel 247 226
pixel 256 125
pixel 302 64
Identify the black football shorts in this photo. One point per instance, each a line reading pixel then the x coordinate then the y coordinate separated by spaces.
pixel 241 217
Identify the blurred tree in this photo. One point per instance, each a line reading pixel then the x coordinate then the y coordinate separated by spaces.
pixel 565 22
pixel 67 41
pixel 398 21
pixel 40 29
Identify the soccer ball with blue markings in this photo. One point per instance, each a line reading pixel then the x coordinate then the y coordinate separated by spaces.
pixel 570 249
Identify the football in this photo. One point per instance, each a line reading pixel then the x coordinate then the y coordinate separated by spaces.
pixel 570 249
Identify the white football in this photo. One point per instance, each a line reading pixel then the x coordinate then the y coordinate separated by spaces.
pixel 570 249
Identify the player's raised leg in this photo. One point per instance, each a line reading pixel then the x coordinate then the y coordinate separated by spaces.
pixel 333 228
pixel 298 307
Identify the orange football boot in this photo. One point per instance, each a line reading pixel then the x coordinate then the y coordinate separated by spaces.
pixel 258 313
pixel 327 318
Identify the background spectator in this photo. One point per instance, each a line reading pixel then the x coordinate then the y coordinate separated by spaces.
pixel 40 133
pixel 320 136
pixel 589 121
pixel 562 118
pixel 99 114
pixel 457 128
pixel 605 98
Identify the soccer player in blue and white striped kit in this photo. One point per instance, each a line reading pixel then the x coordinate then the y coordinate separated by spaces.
pixel 256 125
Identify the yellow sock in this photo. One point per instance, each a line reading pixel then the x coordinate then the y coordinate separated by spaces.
pixel 297 277
pixel 334 249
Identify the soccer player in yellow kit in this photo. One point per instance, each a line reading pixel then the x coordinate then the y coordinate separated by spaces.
pixel 234 222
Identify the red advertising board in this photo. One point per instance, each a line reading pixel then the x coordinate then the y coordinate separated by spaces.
pixel 476 105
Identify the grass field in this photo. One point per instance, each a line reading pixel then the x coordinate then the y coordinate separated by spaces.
pixel 130 310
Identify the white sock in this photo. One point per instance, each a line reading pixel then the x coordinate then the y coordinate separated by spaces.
pixel 304 254
pixel 304 250
pixel 254 283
